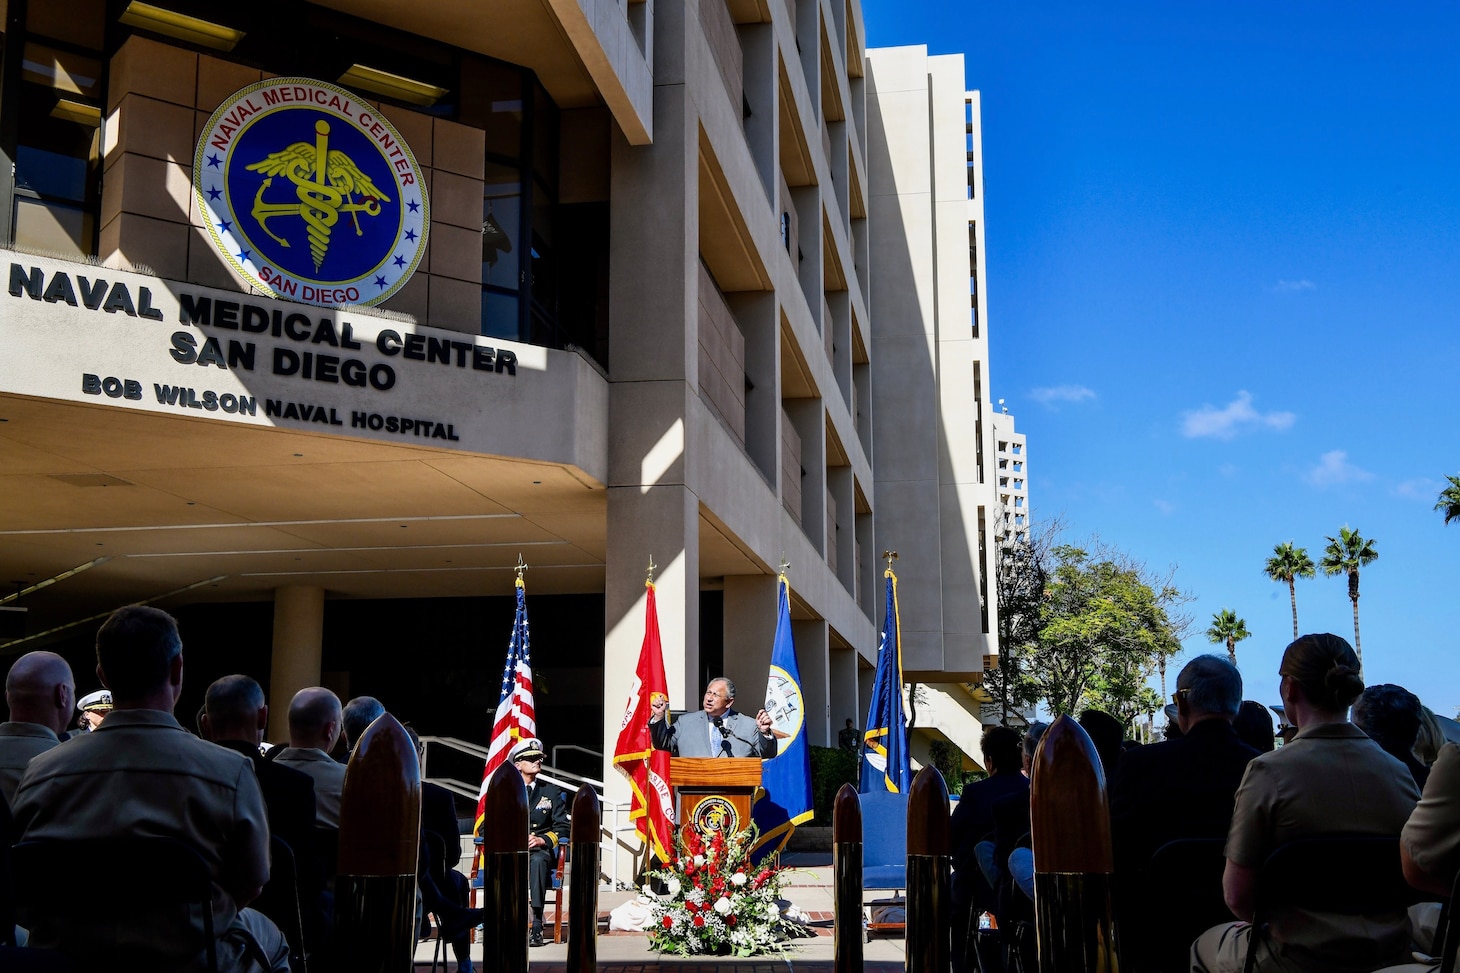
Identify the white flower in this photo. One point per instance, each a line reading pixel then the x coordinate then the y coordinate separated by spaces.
pixel 737 879
pixel 722 905
pixel 673 886
pixel 772 910
pixel 699 861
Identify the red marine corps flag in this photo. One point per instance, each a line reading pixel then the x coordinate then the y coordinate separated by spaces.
pixel 646 768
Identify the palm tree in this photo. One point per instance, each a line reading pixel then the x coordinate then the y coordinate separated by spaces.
pixel 1345 554
pixel 1450 499
pixel 1286 564
pixel 1228 628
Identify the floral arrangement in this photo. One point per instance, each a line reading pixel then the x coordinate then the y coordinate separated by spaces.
pixel 718 899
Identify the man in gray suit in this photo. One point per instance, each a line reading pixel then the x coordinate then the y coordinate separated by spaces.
pixel 716 730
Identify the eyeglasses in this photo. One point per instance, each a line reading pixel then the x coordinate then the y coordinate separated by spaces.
pixel 1179 695
pixel 714 695
pixel 528 760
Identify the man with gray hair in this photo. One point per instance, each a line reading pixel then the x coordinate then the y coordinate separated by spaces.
pixel 715 730
pixel 40 692
pixel 314 728
pixel 1181 788
pixel 358 714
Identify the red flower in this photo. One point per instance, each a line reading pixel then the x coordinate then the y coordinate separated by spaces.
pixel 730 920
pixel 691 907
pixel 699 921
pixel 668 922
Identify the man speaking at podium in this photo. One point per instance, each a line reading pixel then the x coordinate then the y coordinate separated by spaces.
pixel 716 730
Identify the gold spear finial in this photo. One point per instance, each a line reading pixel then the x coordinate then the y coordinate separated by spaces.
pixel 521 567
pixel 889 557
pixel 649 572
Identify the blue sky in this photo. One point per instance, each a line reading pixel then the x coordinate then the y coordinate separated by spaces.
pixel 1223 279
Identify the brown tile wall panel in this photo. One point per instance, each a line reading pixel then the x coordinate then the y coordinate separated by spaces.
pixel 456 200
pixel 412 298
pixel 455 305
pixel 415 128
pixel 161 71
pixel 158 244
pixel 146 126
pixel 459 148
pixel 147 187
pixel 206 265
pixel 218 79
pixel 456 253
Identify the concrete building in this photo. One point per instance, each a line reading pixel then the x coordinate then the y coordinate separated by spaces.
pixel 1011 452
pixel 695 291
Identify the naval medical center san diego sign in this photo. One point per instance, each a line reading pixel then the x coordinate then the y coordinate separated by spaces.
pixel 311 194
pixel 316 200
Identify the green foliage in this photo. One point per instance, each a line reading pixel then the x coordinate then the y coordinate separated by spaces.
pixel 1229 629
pixel 1449 500
pixel 1287 564
pixel 1020 580
pixel 1345 554
pixel 948 758
pixel 831 767
pixel 1104 623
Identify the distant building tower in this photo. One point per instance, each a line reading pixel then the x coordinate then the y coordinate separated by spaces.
pixel 1012 458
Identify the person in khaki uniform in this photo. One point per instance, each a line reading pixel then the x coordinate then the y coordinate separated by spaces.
pixel 141 773
pixel 1330 779
pixel 40 691
pixel 314 729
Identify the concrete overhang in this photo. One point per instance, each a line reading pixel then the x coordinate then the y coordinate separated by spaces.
pixel 200 505
pixel 584 52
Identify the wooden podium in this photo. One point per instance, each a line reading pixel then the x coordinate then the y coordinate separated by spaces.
pixel 714 793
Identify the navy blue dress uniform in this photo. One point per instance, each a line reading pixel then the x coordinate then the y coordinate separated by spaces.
pixel 547 809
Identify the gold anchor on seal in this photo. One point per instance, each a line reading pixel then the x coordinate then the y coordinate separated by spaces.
pixel 325 181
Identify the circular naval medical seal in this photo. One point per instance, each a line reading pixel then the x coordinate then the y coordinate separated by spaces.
pixel 311 194
pixel 786 707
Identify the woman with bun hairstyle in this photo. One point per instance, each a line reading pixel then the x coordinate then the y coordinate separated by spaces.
pixel 1330 779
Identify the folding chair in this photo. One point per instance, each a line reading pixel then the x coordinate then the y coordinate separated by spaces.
pixel 161 874
pixel 1180 898
pixel 1348 875
pixel 559 883
pixel 280 901
pixel 1447 933
pixel 884 848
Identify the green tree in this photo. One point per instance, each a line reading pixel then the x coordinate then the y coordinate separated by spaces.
pixel 1345 554
pixel 1450 499
pixel 1020 579
pixel 1228 628
pixel 1286 564
pixel 1105 622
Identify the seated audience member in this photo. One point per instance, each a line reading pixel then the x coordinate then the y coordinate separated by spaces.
pixel 1106 733
pixel 973 821
pixel 235 716
pixel 1173 724
pixel 1254 727
pixel 444 890
pixel 1330 779
pixel 1002 867
pixel 1391 716
pixel 1181 788
pixel 1434 732
pixel 357 716
pixel 141 773
pixel 314 728
pixel 93 708
pixel 40 693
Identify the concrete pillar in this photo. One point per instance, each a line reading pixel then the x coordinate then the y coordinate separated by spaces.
pixel 750 633
pixel 298 644
pixel 811 655
pixel 846 701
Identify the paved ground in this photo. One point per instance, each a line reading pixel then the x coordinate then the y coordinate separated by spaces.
pixel 808 888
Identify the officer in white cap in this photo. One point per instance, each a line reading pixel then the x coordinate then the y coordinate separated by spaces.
pixel 547 806
pixel 93 708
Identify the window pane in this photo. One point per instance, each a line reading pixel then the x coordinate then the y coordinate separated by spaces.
pixel 50 174
pixel 501 228
pixel 499 315
pixel 62 70
pixel 52 227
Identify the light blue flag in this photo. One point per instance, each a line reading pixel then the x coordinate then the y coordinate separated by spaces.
pixel 786 777
pixel 885 764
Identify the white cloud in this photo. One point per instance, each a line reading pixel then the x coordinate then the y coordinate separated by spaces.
pixel 1420 488
pixel 1165 506
pixel 1233 418
pixel 1293 286
pixel 1334 469
pixel 1061 393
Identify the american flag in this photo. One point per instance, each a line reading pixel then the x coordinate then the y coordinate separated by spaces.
pixel 516 719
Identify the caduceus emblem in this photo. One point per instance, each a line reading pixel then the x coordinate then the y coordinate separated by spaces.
pixel 326 183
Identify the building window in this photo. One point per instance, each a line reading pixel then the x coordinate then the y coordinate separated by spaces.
pixel 56 191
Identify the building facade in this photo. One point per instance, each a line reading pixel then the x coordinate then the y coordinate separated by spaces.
pixel 694 291
pixel 1012 453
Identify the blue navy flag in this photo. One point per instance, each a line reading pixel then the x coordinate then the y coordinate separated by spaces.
pixel 785 778
pixel 885 765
